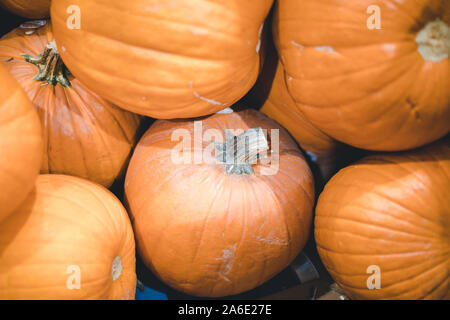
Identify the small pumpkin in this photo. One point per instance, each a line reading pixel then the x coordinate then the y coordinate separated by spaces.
pixel 382 225
pixel 374 88
pixel 33 9
pixel 20 144
pixel 84 135
pixel 164 59
pixel 70 239
pixel 211 227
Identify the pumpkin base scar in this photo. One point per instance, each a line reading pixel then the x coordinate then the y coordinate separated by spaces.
pixel 433 41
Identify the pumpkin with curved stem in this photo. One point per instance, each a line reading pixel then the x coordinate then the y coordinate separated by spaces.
pixel 33 9
pixel 378 89
pixel 70 239
pixel 20 144
pixel 385 222
pixel 164 59
pixel 218 223
pixel 84 135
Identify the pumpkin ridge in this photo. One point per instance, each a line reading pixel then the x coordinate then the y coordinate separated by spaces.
pixel 379 225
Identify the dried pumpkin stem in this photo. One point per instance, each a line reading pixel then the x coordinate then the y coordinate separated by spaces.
pixel 238 153
pixel 51 67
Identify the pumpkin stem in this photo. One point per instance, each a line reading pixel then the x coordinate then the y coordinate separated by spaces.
pixel 238 153
pixel 51 67
pixel 434 41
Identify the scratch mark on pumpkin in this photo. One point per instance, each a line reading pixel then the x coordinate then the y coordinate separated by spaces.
pixel 298 45
pixel 325 49
pixel 212 101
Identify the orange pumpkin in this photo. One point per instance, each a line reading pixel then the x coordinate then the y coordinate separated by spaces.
pixel 213 229
pixel 281 107
pixel 383 223
pixel 70 239
pixel 164 59
pixel 378 89
pixel 84 135
pixel 33 9
pixel 20 144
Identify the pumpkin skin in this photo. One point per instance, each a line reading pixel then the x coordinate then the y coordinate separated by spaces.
pixel 33 9
pixel 392 211
pixel 372 89
pixel 164 59
pixel 84 135
pixel 67 221
pixel 282 108
pixel 20 144
pixel 242 229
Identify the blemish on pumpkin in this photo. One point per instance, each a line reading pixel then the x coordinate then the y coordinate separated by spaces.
pixel 116 269
pixel 9 60
pixel 325 49
pixel 227 259
pixel 298 45
pixel 413 106
pixel 197 95
pixel 390 5
pixel 270 239
pixel 389 49
pixel 411 103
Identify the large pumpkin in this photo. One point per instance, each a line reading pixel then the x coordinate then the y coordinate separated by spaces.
pixel 281 107
pixel 84 135
pixel 212 229
pixel 384 222
pixel 33 9
pixel 164 59
pixel 378 89
pixel 20 144
pixel 71 239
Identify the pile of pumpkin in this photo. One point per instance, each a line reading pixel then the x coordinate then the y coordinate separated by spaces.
pixel 75 91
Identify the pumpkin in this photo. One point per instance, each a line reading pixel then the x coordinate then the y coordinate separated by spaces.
pixel 378 89
pixel 212 225
pixel 280 106
pixel 33 9
pixel 20 144
pixel 383 223
pixel 70 239
pixel 164 59
pixel 84 135
pixel 271 96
